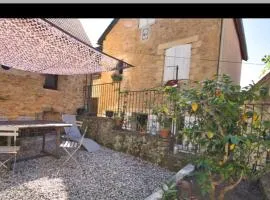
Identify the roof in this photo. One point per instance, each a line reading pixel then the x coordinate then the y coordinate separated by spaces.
pixel 107 30
pixel 264 79
pixel 72 26
pixel 237 22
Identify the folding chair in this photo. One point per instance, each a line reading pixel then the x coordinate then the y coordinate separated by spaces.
pixel 9 132
pixel 74 133
pixel 3 118
pixel 75 145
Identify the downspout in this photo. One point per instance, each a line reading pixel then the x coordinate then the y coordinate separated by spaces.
pixel 220 45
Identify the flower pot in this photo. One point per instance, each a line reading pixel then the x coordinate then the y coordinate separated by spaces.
pixel 164 133
pixel 118 123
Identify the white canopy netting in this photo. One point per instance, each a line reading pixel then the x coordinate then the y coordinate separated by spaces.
pixel 35 45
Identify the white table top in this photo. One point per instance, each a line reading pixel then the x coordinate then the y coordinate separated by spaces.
pixel 33 124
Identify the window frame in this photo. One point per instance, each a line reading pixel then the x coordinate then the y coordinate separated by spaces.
pixel 176 58
pixel 50 85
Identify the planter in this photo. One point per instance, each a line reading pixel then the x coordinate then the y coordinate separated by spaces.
pixel 109 113
pixel 117 77
pixel 118 123
pixel 164 133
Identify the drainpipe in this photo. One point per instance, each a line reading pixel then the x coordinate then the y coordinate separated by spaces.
pixel 220 45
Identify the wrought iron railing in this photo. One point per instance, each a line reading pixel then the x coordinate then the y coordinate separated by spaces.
pixel 137 107
pixel 100 98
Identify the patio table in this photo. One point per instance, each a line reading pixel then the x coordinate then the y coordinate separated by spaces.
pixel 38 124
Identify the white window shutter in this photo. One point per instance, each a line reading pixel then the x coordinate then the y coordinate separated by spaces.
pixel 142 22
pixel 183 58
pixel 169 61
pixel 178 55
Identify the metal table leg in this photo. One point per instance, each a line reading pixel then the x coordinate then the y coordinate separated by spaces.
pixel 9 144
pixel 57 140
pixel 43 141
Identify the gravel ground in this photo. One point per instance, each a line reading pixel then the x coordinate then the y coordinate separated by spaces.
pixel 105 174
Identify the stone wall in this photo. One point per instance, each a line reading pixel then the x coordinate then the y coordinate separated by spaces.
pixel 22 93
pixel 124 42
pixel 148 147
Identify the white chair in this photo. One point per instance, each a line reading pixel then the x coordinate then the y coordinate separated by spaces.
pixel 3 118
pixel 75 145
pixel 9 132
pixel 73 133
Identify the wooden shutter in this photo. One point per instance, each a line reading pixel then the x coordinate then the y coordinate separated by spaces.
pixel 169 61
pixel 178 55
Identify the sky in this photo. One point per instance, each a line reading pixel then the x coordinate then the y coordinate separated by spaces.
pixel 257 32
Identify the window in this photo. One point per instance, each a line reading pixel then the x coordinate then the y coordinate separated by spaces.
pixel 144 22
pixel 5 67
pixel 177 56
pixel 51 82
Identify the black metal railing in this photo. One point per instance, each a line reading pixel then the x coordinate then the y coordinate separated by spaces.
pixel 100 98
pixel 138 107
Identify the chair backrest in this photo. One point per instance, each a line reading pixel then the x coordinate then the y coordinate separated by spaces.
pixel 8 131
pixel 74 130
pixel 3 118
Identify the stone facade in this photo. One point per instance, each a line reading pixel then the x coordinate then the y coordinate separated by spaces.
pixel 22 94
pixel 124 42
pixel 148 147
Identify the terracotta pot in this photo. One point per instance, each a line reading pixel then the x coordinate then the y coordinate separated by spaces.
pixel 164 133
pixel 118 123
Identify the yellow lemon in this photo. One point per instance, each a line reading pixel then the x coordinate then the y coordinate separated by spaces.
pixel 210 134
pixel 232 146
pixel 244 117
pixel 255 117
pixel 194 106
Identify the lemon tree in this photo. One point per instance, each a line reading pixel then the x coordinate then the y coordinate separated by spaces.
pixel 222 127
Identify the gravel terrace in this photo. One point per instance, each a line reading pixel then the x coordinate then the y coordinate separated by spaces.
pixel 105 174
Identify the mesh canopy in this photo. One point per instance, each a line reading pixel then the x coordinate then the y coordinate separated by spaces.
pixel 35 45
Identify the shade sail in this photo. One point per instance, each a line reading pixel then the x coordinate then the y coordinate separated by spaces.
pixel 35 45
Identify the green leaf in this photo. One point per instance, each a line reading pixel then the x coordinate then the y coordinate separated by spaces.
pixel 234 139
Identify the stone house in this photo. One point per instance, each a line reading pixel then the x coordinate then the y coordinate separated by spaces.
pixel 264 83
pixel 28 94
pixel 199 47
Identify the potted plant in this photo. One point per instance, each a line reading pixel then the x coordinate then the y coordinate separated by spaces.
pixel 119 120
pixel 166 124
pixel 116 77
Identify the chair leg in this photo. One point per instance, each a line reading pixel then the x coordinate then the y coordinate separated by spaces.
pixel 70 156
pixel 14 164
pixel 3 163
